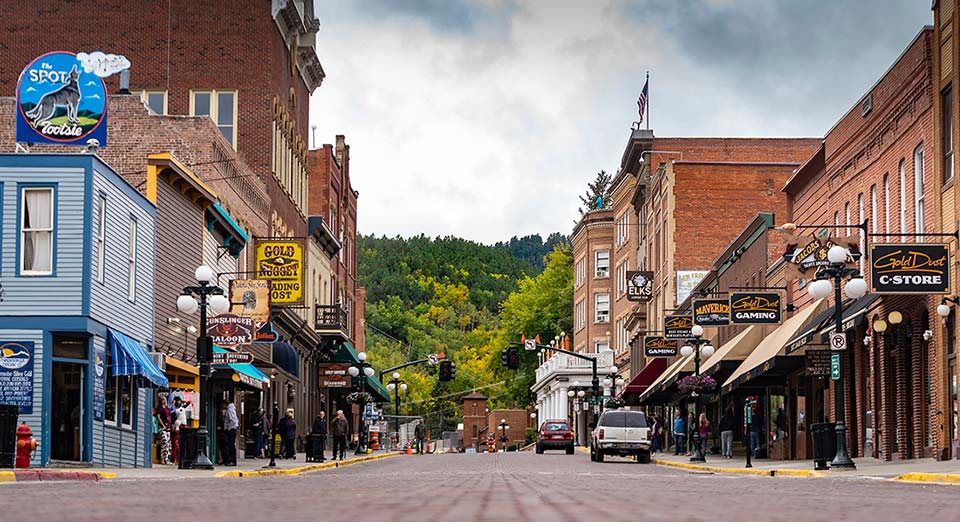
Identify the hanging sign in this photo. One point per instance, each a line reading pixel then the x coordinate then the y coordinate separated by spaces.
pixel 335 375
pixel 281 261
pixel 639 285
pixel 250 298
pixel 99 382
pixel 677 326
pixel 711 312
pixel 228 330
pixel 806 254
pixel 687 280
pixel 755 308
pixel 232 358
pixel 818 362
pixel 16 374
pixel 659 346
pixel 265 334
pixel 912 268
pixel 61 98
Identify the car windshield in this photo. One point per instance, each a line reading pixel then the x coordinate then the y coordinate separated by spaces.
pixel 623 419
pixel 556 426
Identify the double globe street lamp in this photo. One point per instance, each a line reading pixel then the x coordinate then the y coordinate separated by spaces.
pixel 503 433
pixel 830 278
pixel 367 371
pixel 697 346
pixel 397 385
pixel 212 296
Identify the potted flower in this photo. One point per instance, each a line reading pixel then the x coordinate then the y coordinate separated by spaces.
pixel 695 384
pixel 359 398
pixel 614 402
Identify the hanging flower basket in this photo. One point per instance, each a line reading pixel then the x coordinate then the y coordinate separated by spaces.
pixel 359 398
pixel 694 384
pixel 614 403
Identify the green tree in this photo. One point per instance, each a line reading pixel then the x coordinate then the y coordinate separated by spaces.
pixel 598 193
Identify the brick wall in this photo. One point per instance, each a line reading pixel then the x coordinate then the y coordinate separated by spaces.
pixel 595 232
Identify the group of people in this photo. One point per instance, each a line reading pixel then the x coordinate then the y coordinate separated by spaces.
pixel 287 430
pixel 166 429
pixel 684 429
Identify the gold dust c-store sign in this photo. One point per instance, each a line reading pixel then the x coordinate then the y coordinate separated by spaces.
pixel 912 268
pixel 281 261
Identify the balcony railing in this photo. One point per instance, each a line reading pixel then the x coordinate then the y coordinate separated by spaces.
pixel 331 320
pixel 562 362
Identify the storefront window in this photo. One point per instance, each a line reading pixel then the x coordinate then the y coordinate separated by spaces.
pixel 126 404
pixel 110 400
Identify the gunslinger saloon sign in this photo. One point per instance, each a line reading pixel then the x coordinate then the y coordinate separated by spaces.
pixel 912 268
pixel 755 308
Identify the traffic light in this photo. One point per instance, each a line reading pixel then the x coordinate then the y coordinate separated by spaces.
pixel 453 370
pixel 505 357
pixel 510 358
pixel 446 371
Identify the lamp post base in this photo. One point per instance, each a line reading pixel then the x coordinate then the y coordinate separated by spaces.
pixel 697 453
pixel 842 459
pixel 202 461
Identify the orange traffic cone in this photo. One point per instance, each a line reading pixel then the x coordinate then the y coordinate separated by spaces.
pixel 409 450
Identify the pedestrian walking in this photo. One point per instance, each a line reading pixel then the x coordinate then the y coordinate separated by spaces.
pixel 319 430
pixel 654 434
pixel 727 424
pixel 751 425
pixel 679 432
pixel 704 430
pixel 288 435
pixel 691 429
pixel 340 429
pixel 179 419
pixel 230 426
pixel 419 433
pixel 258 426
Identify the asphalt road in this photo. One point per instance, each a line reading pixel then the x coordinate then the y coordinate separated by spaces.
pixel 498 487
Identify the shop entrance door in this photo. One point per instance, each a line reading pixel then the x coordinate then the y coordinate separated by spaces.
pixel 67 411
pixel 953 418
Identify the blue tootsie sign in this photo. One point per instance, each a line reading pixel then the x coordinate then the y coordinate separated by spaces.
pixel 61 98
pixel 16 374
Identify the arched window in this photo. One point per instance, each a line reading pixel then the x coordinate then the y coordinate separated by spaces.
pixel 919 208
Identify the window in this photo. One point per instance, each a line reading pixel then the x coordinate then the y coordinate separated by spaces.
pixel 602 308
pixel 221 106
pixel 132 261
pixel 903 198
pixel 622 270
pixel 36 231
pixel 118 400
pixel 156 101
pixel 581 313
pixel 919 210
pixel 846 212
pixel 601 346
pixel 946 127
pixel 836 223
pixel 623 229
pixel 873 208
pixel 886 203
pixel 602 263
pixel 101 236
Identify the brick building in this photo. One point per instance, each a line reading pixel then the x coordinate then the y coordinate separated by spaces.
pixel 474 420
pixel 593 282
pixel 517 424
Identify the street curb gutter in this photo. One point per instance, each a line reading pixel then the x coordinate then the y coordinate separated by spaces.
pixel 47 475
pixel 929 478
pixel 744 471
pixel 303 469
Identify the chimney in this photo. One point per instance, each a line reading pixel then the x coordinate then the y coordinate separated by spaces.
pixel 125 81
pixel 341 146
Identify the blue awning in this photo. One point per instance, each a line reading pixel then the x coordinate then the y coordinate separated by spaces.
pixel 127 357
pixel 222 213
pixel 245 369
pixel 285 356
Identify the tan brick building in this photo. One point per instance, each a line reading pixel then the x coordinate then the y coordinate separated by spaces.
pixel 593 283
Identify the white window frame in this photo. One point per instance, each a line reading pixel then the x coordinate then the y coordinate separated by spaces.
pixel 919 207
pixel 873 208
pixel 886 203
pixel 101 237
pixel 145 97
pixel 132 261
pixel 846 212
pixel 598 272
pixel 599 346
pixel 215 109
pixel 903 199
pixel 601 316
pixel 24 231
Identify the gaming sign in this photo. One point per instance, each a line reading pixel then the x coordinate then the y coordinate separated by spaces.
pixel 912 268
pixel 61 98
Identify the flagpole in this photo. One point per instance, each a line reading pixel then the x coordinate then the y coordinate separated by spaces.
pixel 648 100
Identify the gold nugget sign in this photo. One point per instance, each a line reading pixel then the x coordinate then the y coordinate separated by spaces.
pixel 281 261
pixel 912 268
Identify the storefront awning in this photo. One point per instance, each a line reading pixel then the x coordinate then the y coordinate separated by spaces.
pixel 772 345
pixel 245 373
pixel 285 356
pixel 346 354
pixel 822 324
pixel 378 389
pixel 734 351
pixel 641 381
pixel 671 370
pixel 128 357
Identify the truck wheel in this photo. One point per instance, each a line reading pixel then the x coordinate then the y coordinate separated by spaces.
pixel 643 457
pixel 599 455
pixel 570 450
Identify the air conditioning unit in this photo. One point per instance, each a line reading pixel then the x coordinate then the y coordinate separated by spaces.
pixel 160 359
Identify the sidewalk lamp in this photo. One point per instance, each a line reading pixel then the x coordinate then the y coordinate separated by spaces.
pixel 827 279
pixel 696 346
pixel 212 296
pixel 397 385
pixel 367 371
pixel 503 432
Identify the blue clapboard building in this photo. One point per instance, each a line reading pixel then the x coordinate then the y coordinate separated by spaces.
pixel 76 308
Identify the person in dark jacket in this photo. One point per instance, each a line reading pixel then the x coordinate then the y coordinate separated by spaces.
pixel 340 429
pixel 319 429
pixel 727 424
pixel 419 433
pixel 288 434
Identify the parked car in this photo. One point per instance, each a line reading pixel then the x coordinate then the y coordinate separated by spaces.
pixel 622 433
pixel 555 434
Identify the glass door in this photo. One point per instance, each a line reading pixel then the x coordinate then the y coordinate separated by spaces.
pixel 67 412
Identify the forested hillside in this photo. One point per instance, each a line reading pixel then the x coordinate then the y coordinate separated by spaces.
pixel 533 249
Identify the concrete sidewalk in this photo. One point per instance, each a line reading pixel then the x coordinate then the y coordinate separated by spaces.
pixel 915 470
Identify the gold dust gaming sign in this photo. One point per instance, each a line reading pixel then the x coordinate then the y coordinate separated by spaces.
pixel 711 312
pixel 281 261
pixel 639 285
pixel 657 346
pixel 677 326
pixel 755 308
pixel 914 268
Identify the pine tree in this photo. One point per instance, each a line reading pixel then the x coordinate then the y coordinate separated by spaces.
pixel 598 193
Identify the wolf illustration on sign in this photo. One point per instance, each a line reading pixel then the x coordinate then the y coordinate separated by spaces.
pixel 67 96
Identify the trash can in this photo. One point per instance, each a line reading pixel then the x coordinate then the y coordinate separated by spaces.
pixel 824 443
pixel 314 447
pixel 8 434
pixel 188 448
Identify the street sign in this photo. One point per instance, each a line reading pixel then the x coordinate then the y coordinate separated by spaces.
pixel 232 358
pixel 657 346
pixel 530 345
pixel 228 330
pixel 711 312
pixel 838 341
pixel 835 366
pixel 677 326
pixel 433 358
pixel 818 362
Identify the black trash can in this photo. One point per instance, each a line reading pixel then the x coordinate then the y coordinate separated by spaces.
pixel 8 434
pixel 824 443
pixel 188 448
pixel 314 447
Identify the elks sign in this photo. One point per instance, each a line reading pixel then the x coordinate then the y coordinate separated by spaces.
pixel 639 285
pixel 755 308
pixel 912 268
pixel 711 312
pixel 677 326
pixel 658 346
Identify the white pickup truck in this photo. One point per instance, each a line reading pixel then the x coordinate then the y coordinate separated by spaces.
pixel 621 432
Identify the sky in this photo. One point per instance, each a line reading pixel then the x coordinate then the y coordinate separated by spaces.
pixel 485 119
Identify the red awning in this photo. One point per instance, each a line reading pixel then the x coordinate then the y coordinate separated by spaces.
pixel 647 375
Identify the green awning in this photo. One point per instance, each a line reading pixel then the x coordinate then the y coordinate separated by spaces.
pixel 378 389
pixel 346 354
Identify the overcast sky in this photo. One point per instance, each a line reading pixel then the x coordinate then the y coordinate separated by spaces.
pixel 485 119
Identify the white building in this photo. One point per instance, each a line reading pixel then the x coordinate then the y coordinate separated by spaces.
pixel 563 373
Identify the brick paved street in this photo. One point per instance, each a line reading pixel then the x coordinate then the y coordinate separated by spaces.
pixel 502 487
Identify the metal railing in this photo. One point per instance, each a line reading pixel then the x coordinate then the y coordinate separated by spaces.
pixel 330 317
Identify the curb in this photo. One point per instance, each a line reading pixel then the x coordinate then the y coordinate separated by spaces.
pixel 744 471
pixel 302 469
pixel 929 478
pixel 43 475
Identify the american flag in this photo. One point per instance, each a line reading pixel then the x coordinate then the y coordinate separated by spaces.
pixel 642 101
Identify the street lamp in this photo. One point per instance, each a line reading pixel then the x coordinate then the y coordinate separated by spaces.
pixel 503 433
pixel 696 346
pixel 830 278
pixel 397 385
pixel 355 371
pixel 212 296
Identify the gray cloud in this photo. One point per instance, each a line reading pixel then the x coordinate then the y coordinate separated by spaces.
pixel 444 16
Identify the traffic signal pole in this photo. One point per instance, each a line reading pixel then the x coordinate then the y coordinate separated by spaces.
pixel 404 365
pixel 593 362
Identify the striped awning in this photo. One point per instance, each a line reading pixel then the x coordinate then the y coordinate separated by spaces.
pixel 128 357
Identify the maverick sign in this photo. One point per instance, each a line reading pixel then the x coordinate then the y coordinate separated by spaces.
pixel 657 346
pixel 913 268
pixel 711 312
pixel 677 326
pixel 639 286
pixel 755 308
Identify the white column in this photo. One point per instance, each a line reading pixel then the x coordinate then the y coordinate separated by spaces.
pixel 564 403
